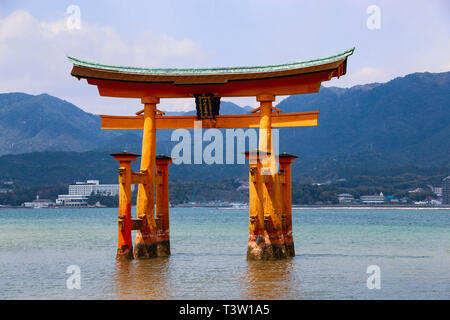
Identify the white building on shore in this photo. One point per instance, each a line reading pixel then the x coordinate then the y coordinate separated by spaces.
pixel 94 186
pixel 74 201
pixel 39 203
pixel 80 191
pixel 346 198
pixel 373 199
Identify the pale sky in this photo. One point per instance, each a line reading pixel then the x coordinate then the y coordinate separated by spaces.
pixel 413 36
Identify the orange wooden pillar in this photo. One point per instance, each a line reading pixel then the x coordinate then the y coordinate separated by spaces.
pixel 286 161
pixel 146 236
pixel 124 243
pixel 162 205
pixel 271 193
pixel 256 243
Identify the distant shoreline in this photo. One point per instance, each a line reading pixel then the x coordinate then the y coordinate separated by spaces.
pixel 299 207
pixel 294 207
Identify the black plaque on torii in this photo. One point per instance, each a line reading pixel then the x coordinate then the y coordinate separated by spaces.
pixel 207 106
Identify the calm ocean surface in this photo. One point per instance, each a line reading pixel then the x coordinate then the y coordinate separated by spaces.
pixel 333 247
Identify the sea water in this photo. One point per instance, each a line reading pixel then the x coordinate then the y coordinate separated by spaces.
pixel 334 248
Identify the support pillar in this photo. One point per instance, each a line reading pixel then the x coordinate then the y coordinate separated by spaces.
pixel 162 205
pixel 267 172
pixel 146 236
pixel 256 242
pixel 124 242
pixel 286 161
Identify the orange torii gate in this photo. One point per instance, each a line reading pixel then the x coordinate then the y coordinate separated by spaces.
pixel 270 215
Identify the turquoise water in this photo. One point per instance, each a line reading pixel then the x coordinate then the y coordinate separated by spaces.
pixel 208 261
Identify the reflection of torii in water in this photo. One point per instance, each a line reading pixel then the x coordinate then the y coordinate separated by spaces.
pixel 270 215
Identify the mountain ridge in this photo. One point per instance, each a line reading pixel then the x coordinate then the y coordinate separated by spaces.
pixel 400 124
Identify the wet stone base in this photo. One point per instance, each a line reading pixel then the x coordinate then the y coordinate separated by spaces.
pixel 290 250
pixel 143 250
pixel 163 248
pixel 125 253
pixel 266 252
pixel 157 249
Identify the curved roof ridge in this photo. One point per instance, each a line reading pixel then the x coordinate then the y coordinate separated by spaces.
pixel 217 70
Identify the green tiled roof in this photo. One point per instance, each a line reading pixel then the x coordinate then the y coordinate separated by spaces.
pixel 207 71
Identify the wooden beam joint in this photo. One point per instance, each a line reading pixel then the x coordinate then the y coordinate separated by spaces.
pixel 136 224
pixel 139 177
pixel 277 110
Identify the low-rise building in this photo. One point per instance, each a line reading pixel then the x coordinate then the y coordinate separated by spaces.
pixel 436 190
pixel 69 200
pixel 373 199
pixel 435 202
pixel 39 203
pixel 345 198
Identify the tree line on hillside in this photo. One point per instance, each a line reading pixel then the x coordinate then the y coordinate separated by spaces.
pixel 328 194
pixel 231 190
pixel 21 194
pixel 179 192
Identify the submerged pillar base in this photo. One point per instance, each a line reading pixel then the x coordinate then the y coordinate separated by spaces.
pixel 290 250
pixel 266 250
pixel 289 244
pixel 146 246
pixel 163 248
pixel 124 253
pixel 157 249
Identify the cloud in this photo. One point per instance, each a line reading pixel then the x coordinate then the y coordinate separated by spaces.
pixel 33 58
pixel 362 75
pixel 368 75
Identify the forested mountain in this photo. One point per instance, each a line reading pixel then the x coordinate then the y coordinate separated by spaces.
pixel 393 128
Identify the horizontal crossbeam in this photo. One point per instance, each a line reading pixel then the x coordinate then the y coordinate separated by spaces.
pixel 136 224
pixel 138 178
pixel 279 120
